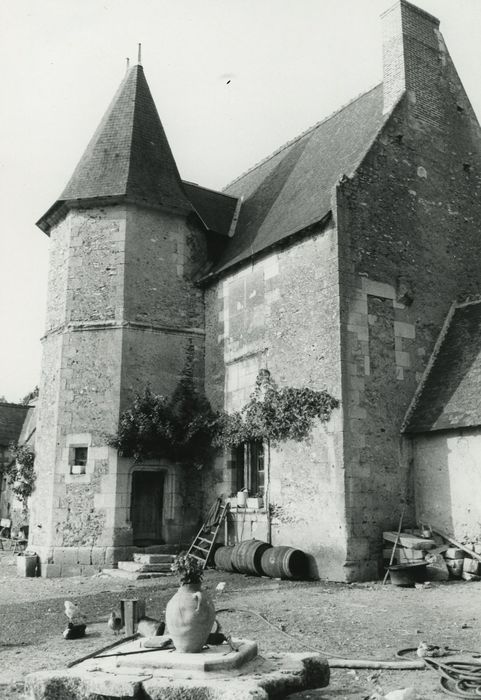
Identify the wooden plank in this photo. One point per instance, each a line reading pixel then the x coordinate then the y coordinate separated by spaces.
pixel 409 541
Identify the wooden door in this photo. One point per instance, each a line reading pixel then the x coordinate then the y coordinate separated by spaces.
pixel 146 507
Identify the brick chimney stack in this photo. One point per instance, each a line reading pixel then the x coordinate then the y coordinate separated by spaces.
pixel 414 56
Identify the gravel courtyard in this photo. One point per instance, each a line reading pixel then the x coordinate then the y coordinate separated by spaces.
pixel 354 621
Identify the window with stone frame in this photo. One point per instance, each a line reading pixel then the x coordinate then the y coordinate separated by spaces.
pixel 78 459
pixel 249 467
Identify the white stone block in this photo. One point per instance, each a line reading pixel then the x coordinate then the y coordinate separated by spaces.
pixel 404 330
pixel 271 267
pixel 403 359
pixel 378 289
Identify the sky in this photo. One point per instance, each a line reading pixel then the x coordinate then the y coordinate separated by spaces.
pixel 232 80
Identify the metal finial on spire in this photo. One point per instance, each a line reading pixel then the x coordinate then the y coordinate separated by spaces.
pixel 128 65
pixel 139 58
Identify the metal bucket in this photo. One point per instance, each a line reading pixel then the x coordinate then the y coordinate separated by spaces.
pixel 408 574
pixel 27 565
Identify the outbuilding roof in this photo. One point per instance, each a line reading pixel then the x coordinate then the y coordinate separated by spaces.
pixel 12 417
pixel 449 395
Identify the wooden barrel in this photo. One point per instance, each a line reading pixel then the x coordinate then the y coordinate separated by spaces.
pixel 223 558
pixel 247 556
pixel 284 562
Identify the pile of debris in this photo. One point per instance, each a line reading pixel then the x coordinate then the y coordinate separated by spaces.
pixel 445 557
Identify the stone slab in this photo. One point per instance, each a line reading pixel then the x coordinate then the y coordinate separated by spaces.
pixel 410 541
pixel 136 566
pixel 134 575
pixel 154 558
pixel 454 553
pixel 264 677
pixel 216 658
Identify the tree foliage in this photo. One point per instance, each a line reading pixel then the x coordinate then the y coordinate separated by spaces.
pixel 180 429
pixel 30 396
pixel 20 472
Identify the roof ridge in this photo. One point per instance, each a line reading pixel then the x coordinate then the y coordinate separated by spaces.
pixel 440 340
pixel 13 403
pixel 137 68
pixel 300 136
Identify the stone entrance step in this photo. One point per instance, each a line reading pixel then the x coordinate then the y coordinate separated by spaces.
pixel 154 558
pixel 153 562
pixel 139 567
pixel 135 575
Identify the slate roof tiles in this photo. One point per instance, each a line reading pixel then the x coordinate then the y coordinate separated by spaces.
pixel 129 156
pixel 292 189
pixel 449 398
pixel 12 417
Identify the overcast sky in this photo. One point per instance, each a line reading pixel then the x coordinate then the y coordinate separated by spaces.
pixel 232 81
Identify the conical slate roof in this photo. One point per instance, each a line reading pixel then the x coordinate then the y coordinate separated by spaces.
pixel 128 156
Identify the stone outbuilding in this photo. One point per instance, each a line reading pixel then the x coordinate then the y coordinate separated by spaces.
pixel 332 263
pixel 17 427
pixel 444 428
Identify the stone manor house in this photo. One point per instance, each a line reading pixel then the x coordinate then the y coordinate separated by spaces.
pixel 348 260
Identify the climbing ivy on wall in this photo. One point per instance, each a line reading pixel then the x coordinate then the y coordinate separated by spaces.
pixel 186 429
pixel 275 414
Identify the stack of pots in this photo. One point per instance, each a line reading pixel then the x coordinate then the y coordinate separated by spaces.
pixel 259 558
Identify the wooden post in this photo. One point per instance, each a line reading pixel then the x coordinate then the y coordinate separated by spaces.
pixel 131 611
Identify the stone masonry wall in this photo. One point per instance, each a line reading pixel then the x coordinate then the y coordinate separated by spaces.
pixel 164 316
pixel 408 225
pixel 41 511
pixel 282 313
pixel 447 468
pixel 123 312
pixel 84 371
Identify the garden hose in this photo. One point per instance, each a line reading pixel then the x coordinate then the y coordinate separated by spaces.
pixel 334 660
pixel 460 679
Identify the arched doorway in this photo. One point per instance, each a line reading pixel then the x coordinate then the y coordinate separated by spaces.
pixel 146 509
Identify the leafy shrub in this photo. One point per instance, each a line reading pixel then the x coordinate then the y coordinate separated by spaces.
pixel 188 569
pixel 180 429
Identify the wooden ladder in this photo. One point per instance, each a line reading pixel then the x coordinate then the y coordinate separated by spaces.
pixel 201 547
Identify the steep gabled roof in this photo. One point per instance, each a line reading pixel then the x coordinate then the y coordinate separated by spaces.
pixel 128 156
pixel 292 189
pixel 449 396
pixel 12 417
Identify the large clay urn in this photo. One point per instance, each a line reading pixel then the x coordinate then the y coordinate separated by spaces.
pixel 189 615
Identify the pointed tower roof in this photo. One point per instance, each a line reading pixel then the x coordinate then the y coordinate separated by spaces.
pixel 128 157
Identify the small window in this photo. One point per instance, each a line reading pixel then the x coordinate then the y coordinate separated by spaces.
pixel 80 456
pixel 249 460
pixel 78 460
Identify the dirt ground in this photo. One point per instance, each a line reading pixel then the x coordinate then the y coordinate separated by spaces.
pixel 353 621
